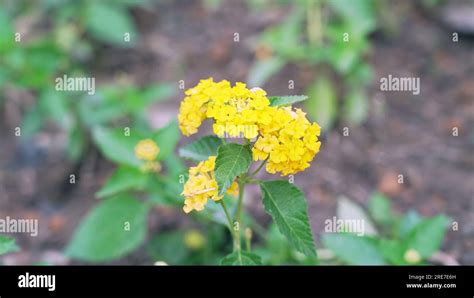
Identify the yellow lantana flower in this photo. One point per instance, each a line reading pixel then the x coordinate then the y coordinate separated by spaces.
pixel 286 139
pixel 289 142
pixel 147 150
pixel 202 186
pixel 236 110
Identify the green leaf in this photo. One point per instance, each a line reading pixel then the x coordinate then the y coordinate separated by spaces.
pixel 167 138
pixel 175 167
pixel 408 223
pixel 380 208
pixel 262 70
pixel 124 178
pixel 157 93
pixel 168 247
pixel 286 100
pixel 360 14
pixel 354 250
pixel 350 211
pixel 76 142
pixel 7 37
pixel 241 258
pixel 104 235
pixel 32 122
pixel 109 23
pixel 201 149
pixel 393 251
pixel 7 245
pixel 41 62
pixel 116 146
pixel 99 110
pixel 287 205
pixel 322 103
pixel 55 105
pixel 356 107
pixel 285 38
pixel 427 236
pixel 343 57
pixel 232 160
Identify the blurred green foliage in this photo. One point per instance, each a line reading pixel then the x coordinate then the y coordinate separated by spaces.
pixel 7 245
pixel 114 120
pixel 62 47
pixel 333 34
pixel 394 238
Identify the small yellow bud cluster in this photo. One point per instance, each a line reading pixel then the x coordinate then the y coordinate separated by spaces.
pixel 194 239
pixel 412 256
pixel 147 150
pixel 202 185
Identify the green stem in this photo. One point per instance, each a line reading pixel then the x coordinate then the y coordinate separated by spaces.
pixel 314 22
pixel 238 214
pixel 259 168
pixel 227 215
pixel 248 239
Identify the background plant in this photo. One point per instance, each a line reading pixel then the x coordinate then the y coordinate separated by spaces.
pixel 31 66
pixel 333 36
pixel 389 238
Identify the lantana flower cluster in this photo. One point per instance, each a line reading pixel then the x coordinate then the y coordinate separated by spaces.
pixel 289 141
pixel 202 186
pixel 235 110
pixel 285 138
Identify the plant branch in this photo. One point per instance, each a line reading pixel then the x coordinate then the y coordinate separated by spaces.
pixel 227 215
pixel 259 167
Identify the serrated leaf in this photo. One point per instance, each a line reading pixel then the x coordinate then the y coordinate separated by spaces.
pixel 241 258
pixel 109 23
pixel 350 211
pixel 353 249
pixel 427 236
pixel 287 205
pixel 380 208
pixel 103 235
pixel 7 245
pixel 116 146
pixel 232 160
pixel 322 103
pixel 124 178
pixel 167 138
pixel 201 149
pixel 286 100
